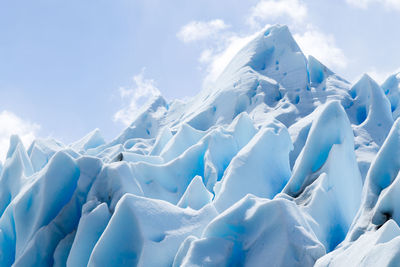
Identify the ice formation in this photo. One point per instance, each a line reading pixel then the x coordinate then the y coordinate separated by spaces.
pixel 280 162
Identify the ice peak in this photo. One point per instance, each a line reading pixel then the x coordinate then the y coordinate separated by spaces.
pixel 391 88
pixel 91 140
pixel 282 35
pixel 14 142
pixel 275 54
pixel 318 71
pixel 380 181
pixel 334 127
pixel 367 80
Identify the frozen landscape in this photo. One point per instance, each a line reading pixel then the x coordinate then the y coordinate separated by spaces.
pixel 280 162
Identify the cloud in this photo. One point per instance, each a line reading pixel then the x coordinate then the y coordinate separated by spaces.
pixel 322 46
pixel 218 58
pixel 12 124
pixel 267 10
pixel 200 30
pixel 221 45
pixel 311 41
pixel 365 3
pixel 379 75
pixel 134 98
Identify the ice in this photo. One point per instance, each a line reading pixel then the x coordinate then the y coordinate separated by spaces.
pixel 378 248
pixel 164 227
pixel 135 157
pixel 212 251
pixel 382 174
pixel 391 88
pixel 222 147
pixel 317 71
pixel 37 205
pixel 182 140
pixel 162 139
pixel 326 182
pixel 243 129
pixel 331 128
pixel 372 238
pixel 260 168
pixel 62 251
pixel 276 55
pixel 15 172
pixel 253 230
pixel 279 162
pixel 121 243
pixel 113 182
pixel 91 225
pixel 372 109
pixel 385 207
pixel 91 140
pixel 146 124
pixel 42 199
pixel 41 150
pixel 196 195
pixel 298 132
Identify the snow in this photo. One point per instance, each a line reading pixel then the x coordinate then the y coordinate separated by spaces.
pixel 318 72
pixel 163 227
pixel 260 168
pixel 326 182
pixel 121 243
pixel 253 230
pixel 91 140
pixel 391 87
pixel 196 195
pixel 91 225
pixel 279 162
pixel 381 176
pixel 378 248
pixel 183 139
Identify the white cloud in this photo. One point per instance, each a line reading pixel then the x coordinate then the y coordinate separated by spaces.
pixel 322 46
pixel 221 45
pixel 365 3
pixel 134 98
pixel 200 30
pixel 12 124
pixel 267 10
pixel 310 39
pixel 218 59
pixel 380 75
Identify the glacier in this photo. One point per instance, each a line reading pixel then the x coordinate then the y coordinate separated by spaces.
pixel 279 162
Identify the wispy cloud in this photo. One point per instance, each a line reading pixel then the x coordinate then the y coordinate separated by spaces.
pixel 322 46
pixel 267 10
pixel 220 44
pixel 381 75
pixel 200 30
pixel 135 97
pixel 311 40
pixel 12 124
pixel 217 58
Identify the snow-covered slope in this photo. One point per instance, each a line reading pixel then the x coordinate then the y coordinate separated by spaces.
pixel 280 162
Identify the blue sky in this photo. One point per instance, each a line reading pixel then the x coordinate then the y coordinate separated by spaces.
pixel 67 67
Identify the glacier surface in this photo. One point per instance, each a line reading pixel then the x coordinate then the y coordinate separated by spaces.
pixel 280 162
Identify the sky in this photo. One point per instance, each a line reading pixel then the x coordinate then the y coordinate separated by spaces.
pixel 68 67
